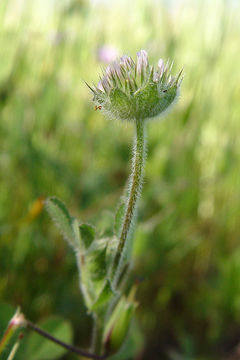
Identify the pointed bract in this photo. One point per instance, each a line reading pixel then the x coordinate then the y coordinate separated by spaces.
pixel 128 90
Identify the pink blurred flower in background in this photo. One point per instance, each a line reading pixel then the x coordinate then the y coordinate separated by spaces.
pixel 107 53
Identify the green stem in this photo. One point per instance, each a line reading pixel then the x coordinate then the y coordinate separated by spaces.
pixel 14 350
pixel 133 194
pixel 97 335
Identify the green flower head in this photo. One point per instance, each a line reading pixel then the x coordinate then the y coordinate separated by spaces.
pixel 130 90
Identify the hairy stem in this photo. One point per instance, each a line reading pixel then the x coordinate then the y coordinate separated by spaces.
pixel 133 194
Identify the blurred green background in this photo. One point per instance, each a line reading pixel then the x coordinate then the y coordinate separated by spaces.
pixel 52 142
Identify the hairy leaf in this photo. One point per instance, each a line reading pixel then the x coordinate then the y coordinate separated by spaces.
pixel 105 295
pixel 93 271
pixel 87 234
pixel 63 220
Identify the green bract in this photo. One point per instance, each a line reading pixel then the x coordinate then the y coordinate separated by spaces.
pixel 131 90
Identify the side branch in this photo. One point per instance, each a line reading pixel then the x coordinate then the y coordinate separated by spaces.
pixel 71 348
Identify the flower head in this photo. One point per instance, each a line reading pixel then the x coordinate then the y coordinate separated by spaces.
pixel 130 90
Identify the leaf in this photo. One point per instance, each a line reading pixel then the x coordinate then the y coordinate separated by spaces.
pixel 119 219
pixel 63 220
pixel 117 326
pixel 6 313
pixel 87 234
pixel 104 296
pixel 121 327
pixel 97 260
pixel 39 348
pixel 132 345
pixel 104 223
pixel 93 265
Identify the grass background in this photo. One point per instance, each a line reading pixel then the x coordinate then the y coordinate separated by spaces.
pixel 52 142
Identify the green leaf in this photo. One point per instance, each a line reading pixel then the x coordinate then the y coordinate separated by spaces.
pixel 104 296
pixel 116 328
pixel 39 348
pixel 132 345
pixel 104 223
pixel 93 265
pixel 6 313
pixel 87 234
pixel 63 220
pixel 119 219
pixel 96 260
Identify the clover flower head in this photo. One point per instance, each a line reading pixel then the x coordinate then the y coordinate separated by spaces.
pixel 130 90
